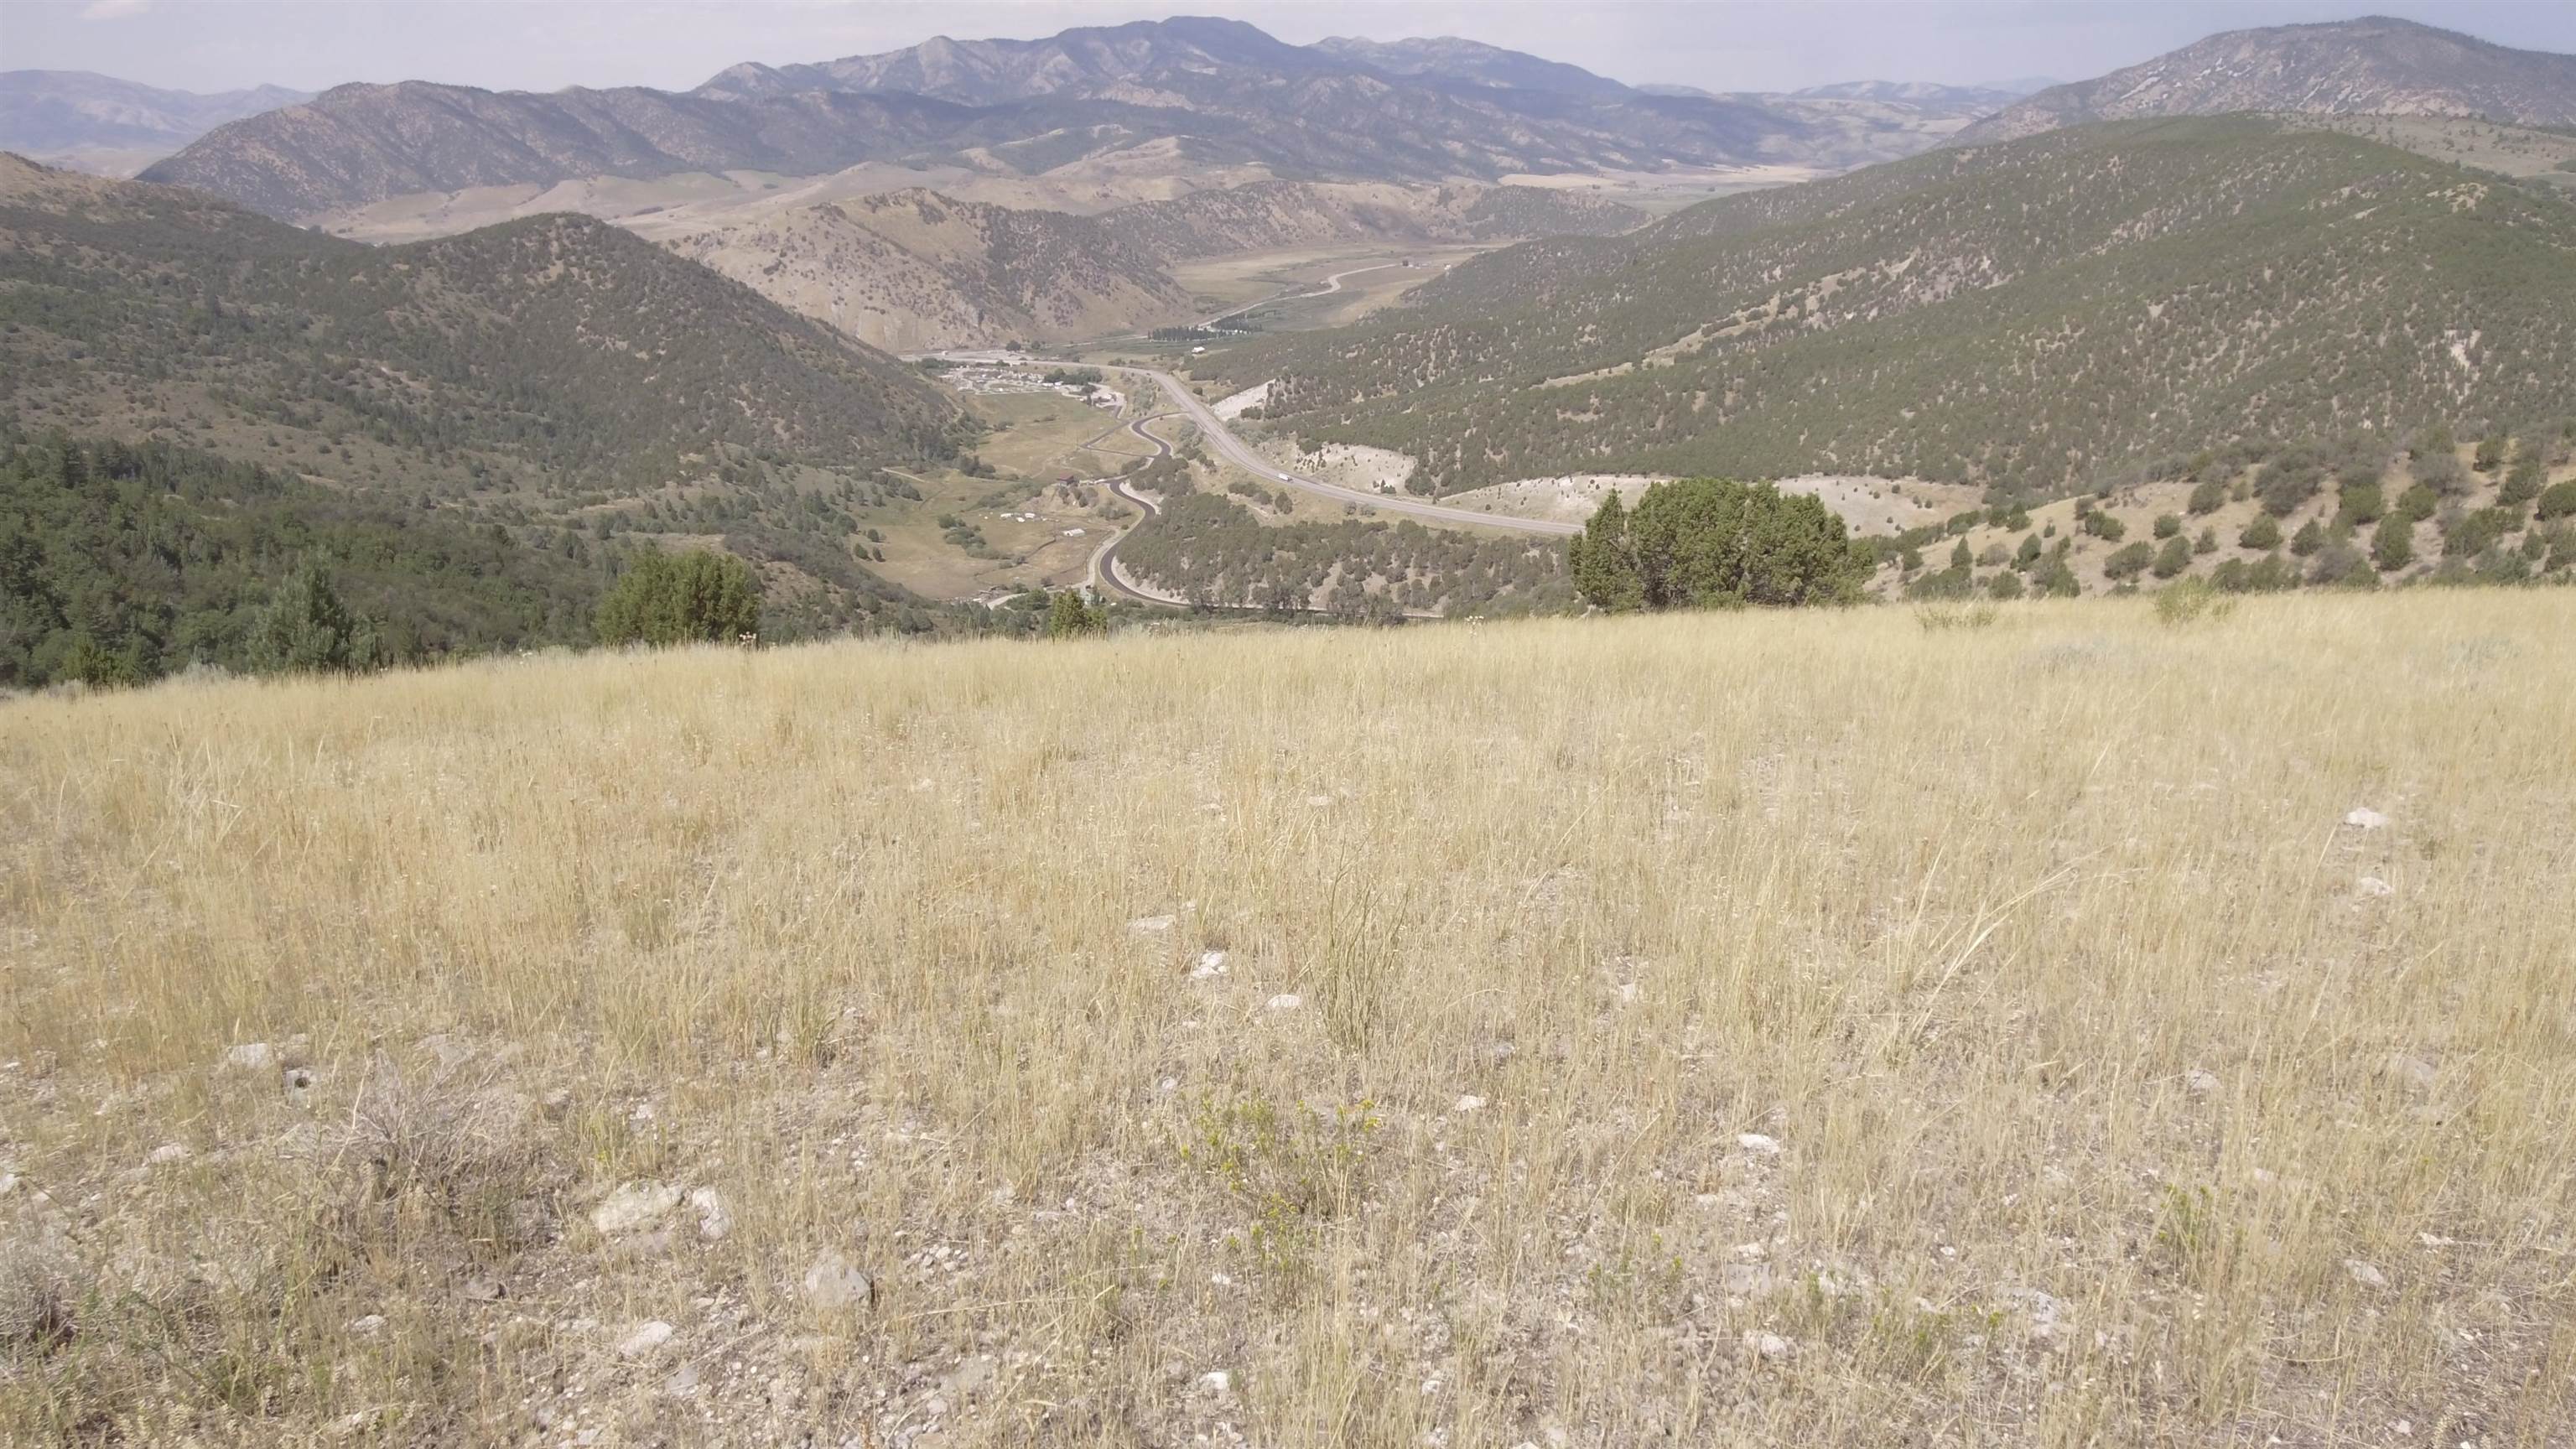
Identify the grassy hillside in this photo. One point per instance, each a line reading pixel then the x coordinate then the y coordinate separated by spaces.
pixel 1587 1028
pixel 553 373
pixel 913 270
pixel 2030 317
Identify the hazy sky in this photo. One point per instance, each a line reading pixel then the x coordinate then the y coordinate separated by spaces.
pixel 208 45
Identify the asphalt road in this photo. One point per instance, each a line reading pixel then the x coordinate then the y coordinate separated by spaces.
pixel 1104 572
pixel 1226 445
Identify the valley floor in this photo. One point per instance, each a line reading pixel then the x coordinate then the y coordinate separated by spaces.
pixel 1747 1028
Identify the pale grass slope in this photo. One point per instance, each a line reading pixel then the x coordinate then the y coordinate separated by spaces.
pixel 2096 1098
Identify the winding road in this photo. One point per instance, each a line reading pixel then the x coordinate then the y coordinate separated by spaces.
pixel 1104 560
pixel 1234 450
pixel 1331 285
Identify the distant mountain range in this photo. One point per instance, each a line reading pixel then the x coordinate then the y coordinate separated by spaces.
pixel 115 127
pixel 2374 66
pixel 1190 93
pixel 2032 317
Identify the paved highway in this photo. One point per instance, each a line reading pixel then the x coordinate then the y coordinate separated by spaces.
pixel 1234 450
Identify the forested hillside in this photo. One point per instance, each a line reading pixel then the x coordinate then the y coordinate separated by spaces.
pixel 549 374
pixel 2029 317
pixel 119 564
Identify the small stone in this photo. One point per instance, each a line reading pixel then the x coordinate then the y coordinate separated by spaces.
pixel 1151 925
pixel 299 1085
pixel 834 1285
pixel 633 1205
pixel 1757 1144
pixel 1752 1252
pixel 168 1152
pixel 2373 887
pixel 682 1384
pixel 1211 964
pixel 1770 1345
pixel 715 1220
pixel 1286 1001
pixel 2364 1274
pixel 647 1337
pixel 2201 1083
pixel 1215 1384
pixel 483 1288
pixel 252 1056
pixel 2366 818
pixel 371 1324
pixel 1470 1104
pixel 556 1102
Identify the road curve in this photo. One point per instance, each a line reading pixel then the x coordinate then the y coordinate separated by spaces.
pixel 1242 455
pixel 1104 560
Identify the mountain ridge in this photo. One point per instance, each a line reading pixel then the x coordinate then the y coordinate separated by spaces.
pixel 2373 65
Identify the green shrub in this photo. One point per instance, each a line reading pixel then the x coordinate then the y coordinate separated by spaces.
pixel 2521 481
pixel 2057 581
pixel 2290 480
pixel 2128 561
pixel 2419 503
pixel 2207 496
pixel 2105 527
pixel 2263 533
pixel 2490 454
pixel 1709 542
pixel 306 629
pixel 2360 503
pixel 2167 525
pixel 687 598
pixel 2192 600
pixel 2028 553
pixel 2474 533
pixel 1069 616
pixel 2308 539
pixel 2005 585
pixel 2393 546
pixel 2172 559
pixel 2558 500
pixel 2207 542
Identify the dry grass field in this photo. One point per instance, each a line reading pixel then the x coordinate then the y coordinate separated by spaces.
pixel 1861 1028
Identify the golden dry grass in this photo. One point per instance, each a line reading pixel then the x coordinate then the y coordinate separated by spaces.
pixel 2110 1106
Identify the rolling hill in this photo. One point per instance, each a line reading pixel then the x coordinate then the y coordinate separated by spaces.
pixel 913 270
pixel 536 376
pixel 2374 66
pixel 2026 317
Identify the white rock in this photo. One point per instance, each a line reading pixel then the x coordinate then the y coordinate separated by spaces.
pixel 634 1205
pixel 251 1056
pixel 8 1183
pixel 1215 1383
pixel 1769 1345
pixel 1286 1001
pixel 1150 925
pixel 2201 1083
pixel 2366 818
pixel 715 1220
pixel 371 1324
pixel 168 1152
pixel 1757 1144
pixel 1211 963
pixel 648 1336
pixel 2371 885
pixel 1469 1104
pixel 2364 1274
pixel 834 1285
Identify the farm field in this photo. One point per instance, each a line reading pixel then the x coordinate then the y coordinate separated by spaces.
pixel 2055 1024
